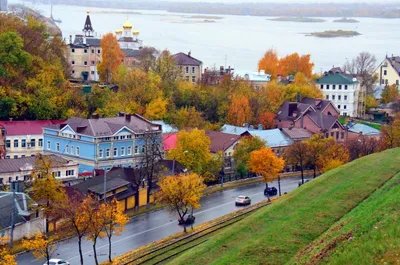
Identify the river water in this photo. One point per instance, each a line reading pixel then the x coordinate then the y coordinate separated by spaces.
pixel 237 41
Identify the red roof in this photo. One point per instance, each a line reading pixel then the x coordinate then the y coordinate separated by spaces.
pixel 169 141
pixel 26 127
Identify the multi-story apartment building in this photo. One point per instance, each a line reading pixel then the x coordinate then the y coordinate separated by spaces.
pixel 191 67
pixel 103 142
pixel 344 91
pixel 3 6
pixel 388 71
pixel 22 138
pixel 20 169
pixel 84 54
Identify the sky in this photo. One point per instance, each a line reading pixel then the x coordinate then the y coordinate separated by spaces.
pixel 287 1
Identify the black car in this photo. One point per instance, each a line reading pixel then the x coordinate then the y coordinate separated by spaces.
pixel 271 191
pixel 186 219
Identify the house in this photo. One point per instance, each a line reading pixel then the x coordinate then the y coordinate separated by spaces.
pixel 388 71
pixel 297 134
pixel 315 115
pixel 84 54
pixel 256 79
pixel 227 128
pixel 355 130
pixel 21 168
pixel 103 142
pixel 344 91
pixel 23 138
pixel 214 77
pixel 191 67
pixel 28 220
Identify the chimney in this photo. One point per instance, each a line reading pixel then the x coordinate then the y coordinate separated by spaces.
pixel 84 39
pixel 260 127
pixel 128 117
pixel 189 53
pixel 95 116
pixel 121 114
pixel 70 39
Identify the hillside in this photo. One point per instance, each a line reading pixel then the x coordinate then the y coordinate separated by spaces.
pixel 276 234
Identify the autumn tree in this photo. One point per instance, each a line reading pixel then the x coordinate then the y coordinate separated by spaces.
pixel 6 258
pixel 239 111
pixel 112 57
pixel 302 87
pixel 181 193
pixel 41 246
pixel 335 154
pixel 156 109
pixel 371 102
pixel 389 93
pixel 297 154
pixel 97 217
pixel 266 163
pixel 315 147
pixel 188 117
pixel 266 119
pixel 294 63
pixel 46 189
pixel 269 63
pixel 390 134
pixel 243 150
pixel 362 146
pixel 115 220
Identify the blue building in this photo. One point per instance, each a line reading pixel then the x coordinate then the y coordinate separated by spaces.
pixel 103 142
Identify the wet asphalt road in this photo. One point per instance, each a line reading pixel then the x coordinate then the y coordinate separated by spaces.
pixel 153 226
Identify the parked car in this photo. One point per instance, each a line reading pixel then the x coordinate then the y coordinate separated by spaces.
pixel 57 262
pixel 271 191
pixel 242 200
pixel 305 181
pixel 186 219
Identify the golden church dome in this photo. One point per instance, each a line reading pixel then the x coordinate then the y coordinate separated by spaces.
pixel 127 25
pixel 135 32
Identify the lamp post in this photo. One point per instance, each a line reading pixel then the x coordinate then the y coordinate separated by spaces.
pixel 223 161
pixel 279 176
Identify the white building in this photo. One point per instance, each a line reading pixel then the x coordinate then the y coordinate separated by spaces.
pixel 128 38
pixel 344 91
pixel 256 79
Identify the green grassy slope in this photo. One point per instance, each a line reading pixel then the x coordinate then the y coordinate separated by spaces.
pixel 276 233
pixel 369 234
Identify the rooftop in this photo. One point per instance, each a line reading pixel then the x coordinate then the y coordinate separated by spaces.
pixel 221 141
pixel 363 129
pixel 166 128
pixel 169 141
pixel 23 205
pixel 111 185
pixel 28 163
pixel 186 59
pixel 79 42
pixel 227 128
pixel 106 127
pixel 337 78
pixel 27 127
pixel 254 76
pixel 297 134
pixel 395 62
pixel 272 138
pixel 131 52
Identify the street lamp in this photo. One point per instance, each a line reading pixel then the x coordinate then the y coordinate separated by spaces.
pixel 279 176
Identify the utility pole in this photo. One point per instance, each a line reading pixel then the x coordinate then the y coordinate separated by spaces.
pixel 105 186
pixel 12 214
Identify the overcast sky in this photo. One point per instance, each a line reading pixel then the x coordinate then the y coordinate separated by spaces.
pixel 288 1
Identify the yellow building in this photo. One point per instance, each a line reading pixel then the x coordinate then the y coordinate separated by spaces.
pixel 191 67
pixel 388 71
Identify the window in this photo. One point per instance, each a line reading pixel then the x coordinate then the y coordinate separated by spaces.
pixel 40 142
pixel 382 81
pixel 143 149
pixel 322 86
pixel 8 143
pixel 345 97
pixel 333 87
pixel 92 72
pixel 73 71
pixel 340 87
pixel 136 149
pixel 107 152
pixel 327 97
pixel 48 145
pixel 15 156
pixel 187 69
pixel 337 135
pixel 22 156
pixel 85 50
pixel 123 137
pixel 100 152
pixel 116 137
pixel 345 87
pixel 56 174
pixel 73 50
pixel 129 150
pixel 85 62
pixel 332 134
pixel 397 82
pixel 193 79
pixel 193 69
pixel 33 142
pixel 342 134
pixel 187 78
pixel 387 81
pixel 67 149
pixel 92 62
pixel 73 62
pixel 115 151
pixel 344 113
pixel 70 172
pixel 58 147
pixel 129 136
pixel 339 97
pixel 122 151
pixel 77 151
pixel 98 51
pixel 338 106
pixel 9 179
pixel 15 143
pixel 72 149
pixel 344 106
pixel 23 143
pixel 384 72
pixel 333 97
pixel 327 86
pixel 92 50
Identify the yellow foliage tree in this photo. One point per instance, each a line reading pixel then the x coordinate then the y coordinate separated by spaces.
pixel 269 63
pixel 156 109
pixel 115 221
pixel 266 163
pixel 297 154
pixel 390 93
pixel 334 155
pixel 181 193
pixel 239 111
pixel 315 147
pixel 97 217
pixel 332 164
pixel 41 246
pixel 112 57
pixel 5 257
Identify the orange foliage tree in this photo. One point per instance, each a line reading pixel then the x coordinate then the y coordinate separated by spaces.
pixel 266 163
pixel 239 111
pixel 294 63
pixel 112 57
pixel 269 63
pixel 266 118
pixel 97 217
pixel 181 193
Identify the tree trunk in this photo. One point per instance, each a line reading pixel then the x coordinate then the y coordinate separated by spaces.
pixel 109 248
pixel 80 249
pixel 266 186
pixel 137 196
pixel 315 175
pixel 149 187
pixel 94 252
pixel 302 174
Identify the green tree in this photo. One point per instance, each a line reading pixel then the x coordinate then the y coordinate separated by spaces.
pixel 243 150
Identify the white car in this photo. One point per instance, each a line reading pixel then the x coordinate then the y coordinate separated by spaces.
pixel 57 262
pixel 242 200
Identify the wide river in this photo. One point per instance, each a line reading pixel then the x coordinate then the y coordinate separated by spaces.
pixel 240 41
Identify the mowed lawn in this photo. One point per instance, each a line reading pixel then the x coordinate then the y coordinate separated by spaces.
pixel 274 234
pixel 369 234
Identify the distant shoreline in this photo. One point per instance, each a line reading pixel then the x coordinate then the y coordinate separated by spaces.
pixel 297 19
pixel 334 34
pixel 346 20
